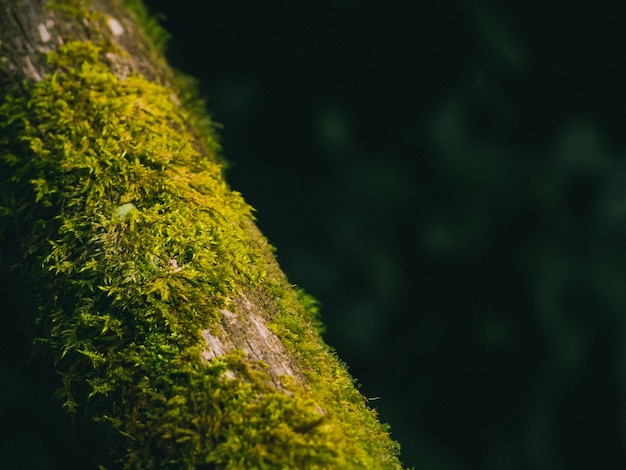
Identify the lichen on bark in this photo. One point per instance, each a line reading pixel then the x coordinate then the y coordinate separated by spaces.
pixel 176 338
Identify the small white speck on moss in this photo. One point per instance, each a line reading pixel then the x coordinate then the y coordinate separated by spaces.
pixel 115 26
pixel 43 32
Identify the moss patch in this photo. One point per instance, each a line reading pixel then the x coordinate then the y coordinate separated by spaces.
pixel 131 243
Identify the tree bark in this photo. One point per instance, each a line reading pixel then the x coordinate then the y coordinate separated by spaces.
pixel 177 340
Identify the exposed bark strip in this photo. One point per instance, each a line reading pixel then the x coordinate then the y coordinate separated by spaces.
pixel 246 329
pixel 28 29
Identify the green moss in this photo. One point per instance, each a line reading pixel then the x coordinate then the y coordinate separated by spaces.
pixel 131 243
pixel 77 9
pixel 150 24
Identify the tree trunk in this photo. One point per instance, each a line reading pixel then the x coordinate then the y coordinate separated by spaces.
pixel 177 340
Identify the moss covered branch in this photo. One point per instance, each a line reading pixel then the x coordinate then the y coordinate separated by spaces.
pixel 176 338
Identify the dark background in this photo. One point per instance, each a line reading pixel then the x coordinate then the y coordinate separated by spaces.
pixel 449 180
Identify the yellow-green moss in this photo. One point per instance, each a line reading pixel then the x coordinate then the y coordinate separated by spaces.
pixel 131 242
pixel 156 35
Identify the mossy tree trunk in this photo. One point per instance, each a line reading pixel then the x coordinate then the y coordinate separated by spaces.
pixel 177 341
